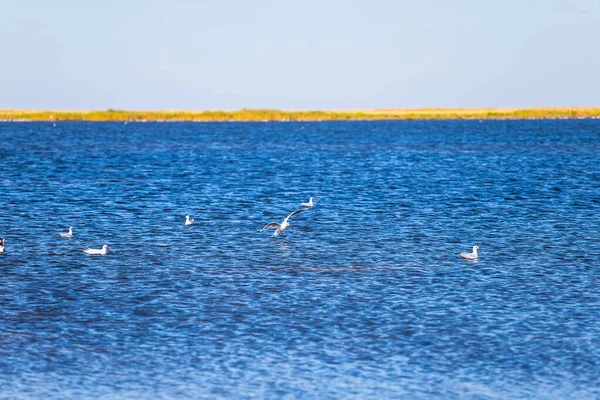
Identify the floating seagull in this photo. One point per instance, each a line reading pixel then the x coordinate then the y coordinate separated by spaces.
pixel 470 256
pixel 188 221
pixel 68 234
pixel 101 251
pixel 309 204
pixel 1 245
pixel 282 227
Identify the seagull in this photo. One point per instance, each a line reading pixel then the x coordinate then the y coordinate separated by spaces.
pixel 188 221
pixel 282 227
pixel 101 251
pixel 1 245
pixel 309 204
pixel 68 234
pixel 470 256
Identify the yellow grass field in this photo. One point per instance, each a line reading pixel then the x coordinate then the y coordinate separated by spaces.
pixel 283 115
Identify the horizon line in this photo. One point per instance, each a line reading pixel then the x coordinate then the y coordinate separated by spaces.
pixel 246 114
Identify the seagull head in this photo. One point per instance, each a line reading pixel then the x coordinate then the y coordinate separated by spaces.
pixel 475 247
pixel 105 247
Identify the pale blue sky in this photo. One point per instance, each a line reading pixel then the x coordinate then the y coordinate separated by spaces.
pixel 298 55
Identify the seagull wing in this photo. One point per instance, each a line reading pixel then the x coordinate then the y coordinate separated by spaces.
pixel 270 225
pixel 294 213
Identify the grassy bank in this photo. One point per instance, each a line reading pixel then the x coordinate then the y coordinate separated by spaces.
pixel 281 115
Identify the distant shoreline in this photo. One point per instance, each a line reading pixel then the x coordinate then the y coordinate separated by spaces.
pixel 283 115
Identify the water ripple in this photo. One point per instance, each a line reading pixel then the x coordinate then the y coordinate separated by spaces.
pixel 365 297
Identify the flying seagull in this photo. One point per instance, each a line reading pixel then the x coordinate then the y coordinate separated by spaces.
pixel 309 204
pixel 101 251
pixel 188 221
pixel 470 256
pixel 282 227
pixel 68 234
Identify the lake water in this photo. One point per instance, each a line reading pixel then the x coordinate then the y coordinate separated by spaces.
pixel 365 297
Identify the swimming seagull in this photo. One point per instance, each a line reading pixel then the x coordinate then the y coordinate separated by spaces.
pixel 188 221
pixel 101 251
pixel 282 227
pixel 68 234
pixel 1 245
pixel 470 256
pixel 309 204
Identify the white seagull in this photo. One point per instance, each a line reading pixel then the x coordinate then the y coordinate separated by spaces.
pixel 1 245
pixel 68 234
pixel 309 204
pixel 470 256
pixel 282 227
pixel 188 221
pixel 101 251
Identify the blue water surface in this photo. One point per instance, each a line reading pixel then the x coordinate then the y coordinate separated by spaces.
pixel 365 297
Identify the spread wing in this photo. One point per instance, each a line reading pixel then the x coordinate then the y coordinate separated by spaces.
pixel 270 225
pixel 295 212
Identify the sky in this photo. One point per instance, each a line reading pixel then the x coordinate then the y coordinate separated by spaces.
pixel 298 55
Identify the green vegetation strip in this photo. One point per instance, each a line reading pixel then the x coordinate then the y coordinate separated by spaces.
pixel 280 115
